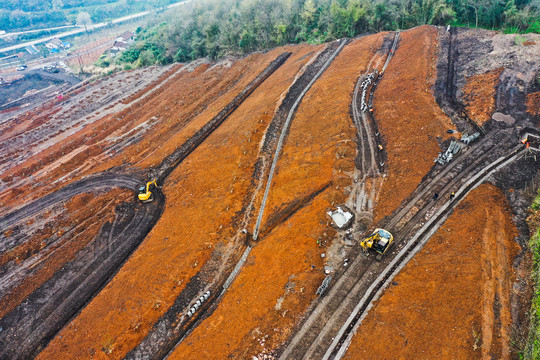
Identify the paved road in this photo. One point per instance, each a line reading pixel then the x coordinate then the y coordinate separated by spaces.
pixel 90 28
pixel 7 35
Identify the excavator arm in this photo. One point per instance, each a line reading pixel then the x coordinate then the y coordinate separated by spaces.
pixel 146 194
pixel 379 241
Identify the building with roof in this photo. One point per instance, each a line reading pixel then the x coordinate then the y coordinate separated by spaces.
pixel 32 50
pixel 54 44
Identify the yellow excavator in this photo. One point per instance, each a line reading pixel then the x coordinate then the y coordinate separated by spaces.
pixel 146 193
pixel 379 241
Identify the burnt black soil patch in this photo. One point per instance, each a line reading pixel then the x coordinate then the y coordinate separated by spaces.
pixel 32 80
pixel 34 322
pixel 453 54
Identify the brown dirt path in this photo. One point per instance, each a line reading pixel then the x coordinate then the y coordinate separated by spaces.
pixel 479 95
pixel 272 291
pixel 197 223
pixel 408 116
pixel 452 301
pixel 56 242
pixel 533 103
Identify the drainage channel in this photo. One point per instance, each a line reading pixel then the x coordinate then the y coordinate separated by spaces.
pixel 169 331
pixel 344 337
pixel 284 132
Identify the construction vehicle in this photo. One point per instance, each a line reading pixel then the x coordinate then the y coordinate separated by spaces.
pixel 379 241
pixel 146 193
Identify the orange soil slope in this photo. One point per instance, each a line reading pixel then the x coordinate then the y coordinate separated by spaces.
pixel 408 116
pixel 533 103
pixel 479 95
pixel 166 112
pixel 278 282
pixel 83 217
pixel 186 99
pixel 204 194
pixel 452 301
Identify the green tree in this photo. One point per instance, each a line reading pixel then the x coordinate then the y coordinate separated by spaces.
pixel 309 15
pixel 212 32
pixel 83 18
pixel 247 41
pixel 57 5
pixel 381 18
pixel 341 22
pixel 280 32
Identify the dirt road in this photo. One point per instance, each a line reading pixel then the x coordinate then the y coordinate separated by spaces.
pixel 175 324
pixel 328 329
pixel 29 327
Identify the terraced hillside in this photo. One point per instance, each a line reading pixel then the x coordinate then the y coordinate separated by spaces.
pixel 250 154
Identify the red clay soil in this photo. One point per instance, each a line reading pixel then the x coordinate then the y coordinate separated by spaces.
pixel 84 215
pixel 204 195
pixel 479 95
pixel 172 107
pixel 408 116
pixel 276 285
pixel 533 103
pixel 452 301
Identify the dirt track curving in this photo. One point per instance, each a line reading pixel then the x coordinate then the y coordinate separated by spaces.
pixel 251 161
pixel 29 327
pixel 32 324
pixel 169 331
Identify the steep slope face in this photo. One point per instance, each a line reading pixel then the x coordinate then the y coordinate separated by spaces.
pixel 283 270
pixel 453 300
pixel 203 279
pixel 193 239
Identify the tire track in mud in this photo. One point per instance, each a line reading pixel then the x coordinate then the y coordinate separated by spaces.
pixel 419 237
pixel 365 191
pixel 34 323
pixel 370 166
pixel 175 325
pixel 13 275
pixel 329 328
pixel 103 181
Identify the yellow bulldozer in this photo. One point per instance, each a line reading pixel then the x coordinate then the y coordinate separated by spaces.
pixel 379 241
pixel 146 193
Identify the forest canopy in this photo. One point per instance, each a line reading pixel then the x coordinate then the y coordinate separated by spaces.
pixel 18 15
pixel 216 28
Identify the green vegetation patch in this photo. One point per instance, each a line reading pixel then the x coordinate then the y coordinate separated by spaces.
pixel 532 348
pixel 17 15
pixel 217 28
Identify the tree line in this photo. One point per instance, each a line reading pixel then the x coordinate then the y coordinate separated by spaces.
pixel 17 15
pixel 216 28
